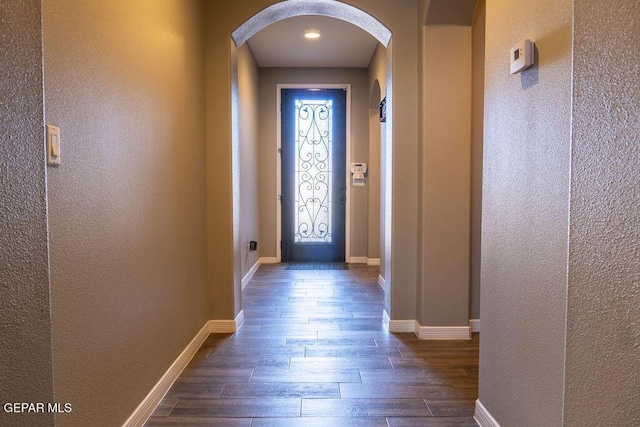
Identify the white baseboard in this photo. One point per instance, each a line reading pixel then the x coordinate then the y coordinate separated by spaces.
pixel 430 332
pixel 385 318
pixel 402 325
pixel 483 417
pixel 262 260
pixel 474 324
pixel 149 403
pixel 222 326
pixel 247 277
pixel 382 282
pixel 239 320
pixel 364 260
pixel 226 326
pixel 443 332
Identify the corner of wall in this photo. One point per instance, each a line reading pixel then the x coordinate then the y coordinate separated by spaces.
pixel 25 304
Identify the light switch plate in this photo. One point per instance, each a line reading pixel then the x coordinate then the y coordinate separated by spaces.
pixel 53 145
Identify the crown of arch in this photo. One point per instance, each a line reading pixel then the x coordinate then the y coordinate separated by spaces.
pixel 292 8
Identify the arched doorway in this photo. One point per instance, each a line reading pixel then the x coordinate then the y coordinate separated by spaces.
pixel 297 8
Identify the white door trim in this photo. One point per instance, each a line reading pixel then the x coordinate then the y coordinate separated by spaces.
pixel 347 219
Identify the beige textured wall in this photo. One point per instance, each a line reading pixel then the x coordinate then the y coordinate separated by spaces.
pixel 378 136
pixel 269 78
pixel 250 212
pixel 603 326
pixel 373 183
pixel 377 76
pixel 402 212
pixel 25 318
pixel 477 126
pixel 446 180
pixel 124 80
pixel 224 254
pixel 525 214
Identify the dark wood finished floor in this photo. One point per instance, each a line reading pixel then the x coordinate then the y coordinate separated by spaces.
pixel 314 352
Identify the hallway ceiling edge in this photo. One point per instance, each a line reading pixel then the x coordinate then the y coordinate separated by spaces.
pixel 341 44
pixel 294 8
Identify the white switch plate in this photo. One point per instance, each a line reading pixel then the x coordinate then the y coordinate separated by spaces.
pixel 522 56
pixel 53 145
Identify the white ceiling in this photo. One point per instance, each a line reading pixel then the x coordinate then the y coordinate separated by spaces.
pixel 340 45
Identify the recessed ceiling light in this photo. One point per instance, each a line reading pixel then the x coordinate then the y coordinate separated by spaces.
pixel 312 34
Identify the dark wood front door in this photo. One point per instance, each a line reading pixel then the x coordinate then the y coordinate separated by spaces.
pixel 313 174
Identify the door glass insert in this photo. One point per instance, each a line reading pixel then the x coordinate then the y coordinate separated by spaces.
pixel 313 165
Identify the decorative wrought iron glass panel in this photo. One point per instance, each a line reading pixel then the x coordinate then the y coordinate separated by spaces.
pixel 313 198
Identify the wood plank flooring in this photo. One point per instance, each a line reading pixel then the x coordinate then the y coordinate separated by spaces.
pixel 313 352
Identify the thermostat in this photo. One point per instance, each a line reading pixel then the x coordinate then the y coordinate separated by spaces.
pixel 522 56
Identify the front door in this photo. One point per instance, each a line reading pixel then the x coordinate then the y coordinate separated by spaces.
pixel 313 175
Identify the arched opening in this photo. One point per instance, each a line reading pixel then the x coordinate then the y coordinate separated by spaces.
pixel 354 16
pixel 293 8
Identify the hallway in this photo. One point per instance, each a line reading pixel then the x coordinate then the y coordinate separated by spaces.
pixel 314 352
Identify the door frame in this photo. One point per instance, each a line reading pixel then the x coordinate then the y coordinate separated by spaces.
pixel 347 213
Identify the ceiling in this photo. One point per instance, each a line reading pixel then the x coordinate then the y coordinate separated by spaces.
pixel 451 12
pixel 341 44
